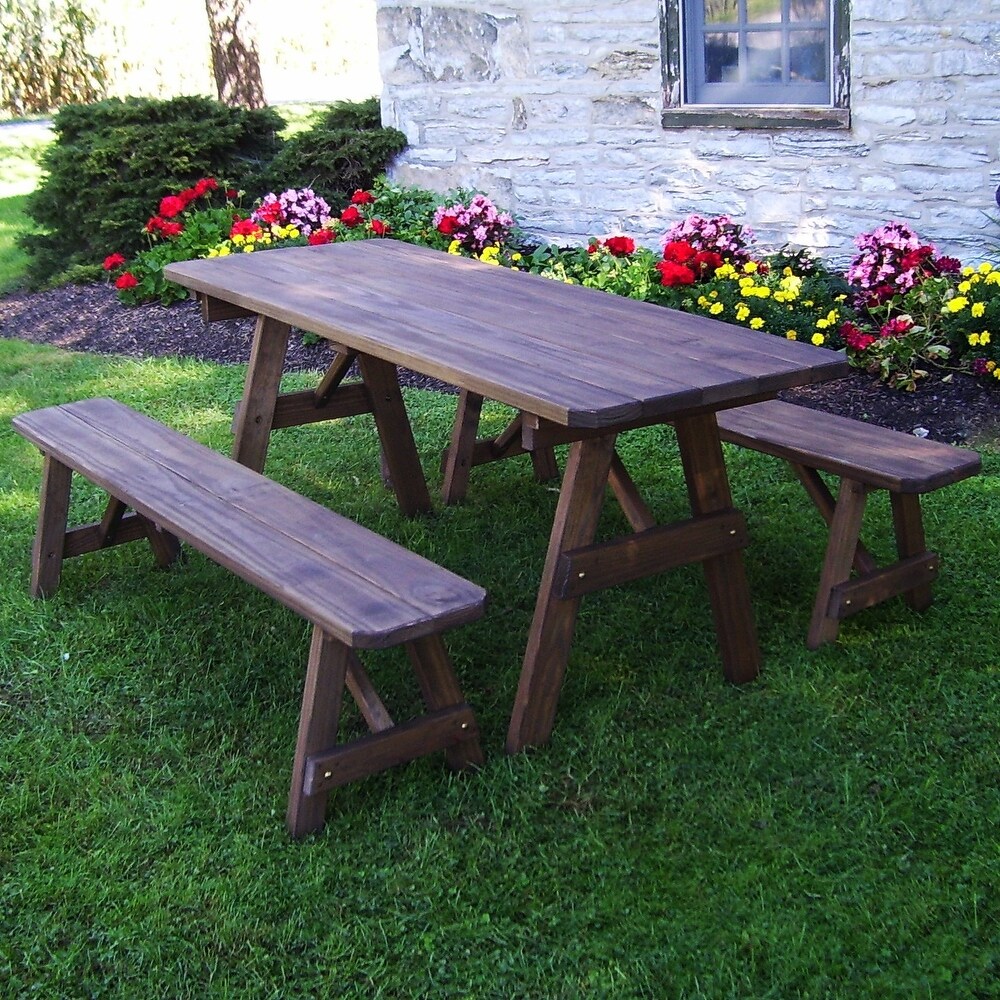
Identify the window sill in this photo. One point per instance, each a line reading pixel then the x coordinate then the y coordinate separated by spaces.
pixel 755 118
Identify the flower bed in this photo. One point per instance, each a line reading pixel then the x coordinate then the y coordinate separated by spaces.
pixel 898 311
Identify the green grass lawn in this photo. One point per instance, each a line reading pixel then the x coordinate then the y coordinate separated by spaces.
pixel 830 830
pixel 19 175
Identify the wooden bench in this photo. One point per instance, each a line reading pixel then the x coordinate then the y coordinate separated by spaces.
pixel 865 457
pixel 359 590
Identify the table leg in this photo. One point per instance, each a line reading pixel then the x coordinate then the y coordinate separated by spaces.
pixel 260 391
pixel 399 450
pixel 708 491
pixel 580 499
pixel 458 458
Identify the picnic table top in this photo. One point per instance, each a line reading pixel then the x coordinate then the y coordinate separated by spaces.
pixel 576 356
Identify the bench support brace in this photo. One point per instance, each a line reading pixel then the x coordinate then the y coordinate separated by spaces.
pixel 321 764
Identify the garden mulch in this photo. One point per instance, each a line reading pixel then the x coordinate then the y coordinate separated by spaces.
pixel 946 406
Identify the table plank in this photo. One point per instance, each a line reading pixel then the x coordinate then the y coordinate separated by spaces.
pixel 576 356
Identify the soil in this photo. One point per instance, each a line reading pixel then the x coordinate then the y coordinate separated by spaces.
pixel 955 408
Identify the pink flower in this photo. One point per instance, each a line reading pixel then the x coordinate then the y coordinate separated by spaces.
pixel 112 261
pixel 127 280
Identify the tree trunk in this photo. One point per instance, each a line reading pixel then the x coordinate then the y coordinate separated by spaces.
pixel 235 61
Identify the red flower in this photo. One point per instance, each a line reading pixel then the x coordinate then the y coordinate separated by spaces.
pixel 112 261
pixel 362 197
pixel 270 213
pixel 171 228
pixel 232 194
pixel 447 225
pixel 172 205
pixel 187 196
pixel 896 327
pixel 592 247
pixel 245 227
pixel 678 251
pixel 351 217
pixel 380 228
pixel 706 261
pixel 205 185
pixel 672 273
pixel 154 225
pixel 855 338
pixel 127 280
pixel 320 236
pixel 620 246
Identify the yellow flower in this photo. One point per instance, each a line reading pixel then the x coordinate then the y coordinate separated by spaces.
pixel 716 308
pixel 996 372
pixel 490 255
pixel 703 302
pixel 747 283
pixel 750 267
pixel 993 278
pixel 957 304
pixel 224 251
pixel 822 323
pixel 516 257
pixel 978 308
pixel 965 287
pixel 455 247
pixel 984 337
pixel 986 267
pixel 818 339
pixel 973 339
pixel 967 271
pixel 791 335
pixel 725 270
pixel 991 366
pixel 756 323
pixel 742 312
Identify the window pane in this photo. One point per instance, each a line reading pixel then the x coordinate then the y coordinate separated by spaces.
pixel 722 12
pixel 764 56
pixel 808 56
pixel 809 10
pixel 764 11
pixel 722 57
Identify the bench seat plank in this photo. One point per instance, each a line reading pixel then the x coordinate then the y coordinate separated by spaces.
pixel 385 593
pixel 879 456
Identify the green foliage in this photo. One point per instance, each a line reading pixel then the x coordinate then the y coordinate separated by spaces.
pixel 346 149
pixel 112 160
pixel 44 59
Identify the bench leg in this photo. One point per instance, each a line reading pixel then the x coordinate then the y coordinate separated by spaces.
pixel 50 538
pixel 845 529
pixel 908 523
pixel 440 690
pixel 318 723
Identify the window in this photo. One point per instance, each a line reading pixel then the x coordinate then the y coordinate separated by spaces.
pixel 755 63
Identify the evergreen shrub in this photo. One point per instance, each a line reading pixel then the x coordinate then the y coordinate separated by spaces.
pixel 344 150
pixel 111 160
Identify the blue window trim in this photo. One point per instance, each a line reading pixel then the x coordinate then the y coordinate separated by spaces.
pixel 680 112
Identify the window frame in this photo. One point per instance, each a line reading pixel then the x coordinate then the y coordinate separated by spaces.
pixel 678 112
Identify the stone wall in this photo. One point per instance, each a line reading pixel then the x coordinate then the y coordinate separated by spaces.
pixel 552 107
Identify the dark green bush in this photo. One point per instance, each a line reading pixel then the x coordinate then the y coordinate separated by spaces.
pixel 113 161
pixel 346 149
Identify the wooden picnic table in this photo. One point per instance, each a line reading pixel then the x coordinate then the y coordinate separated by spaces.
pixel 578 365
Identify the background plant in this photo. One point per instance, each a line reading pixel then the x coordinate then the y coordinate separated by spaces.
pixel 344 149
pixel 47 57
pixel 111 161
